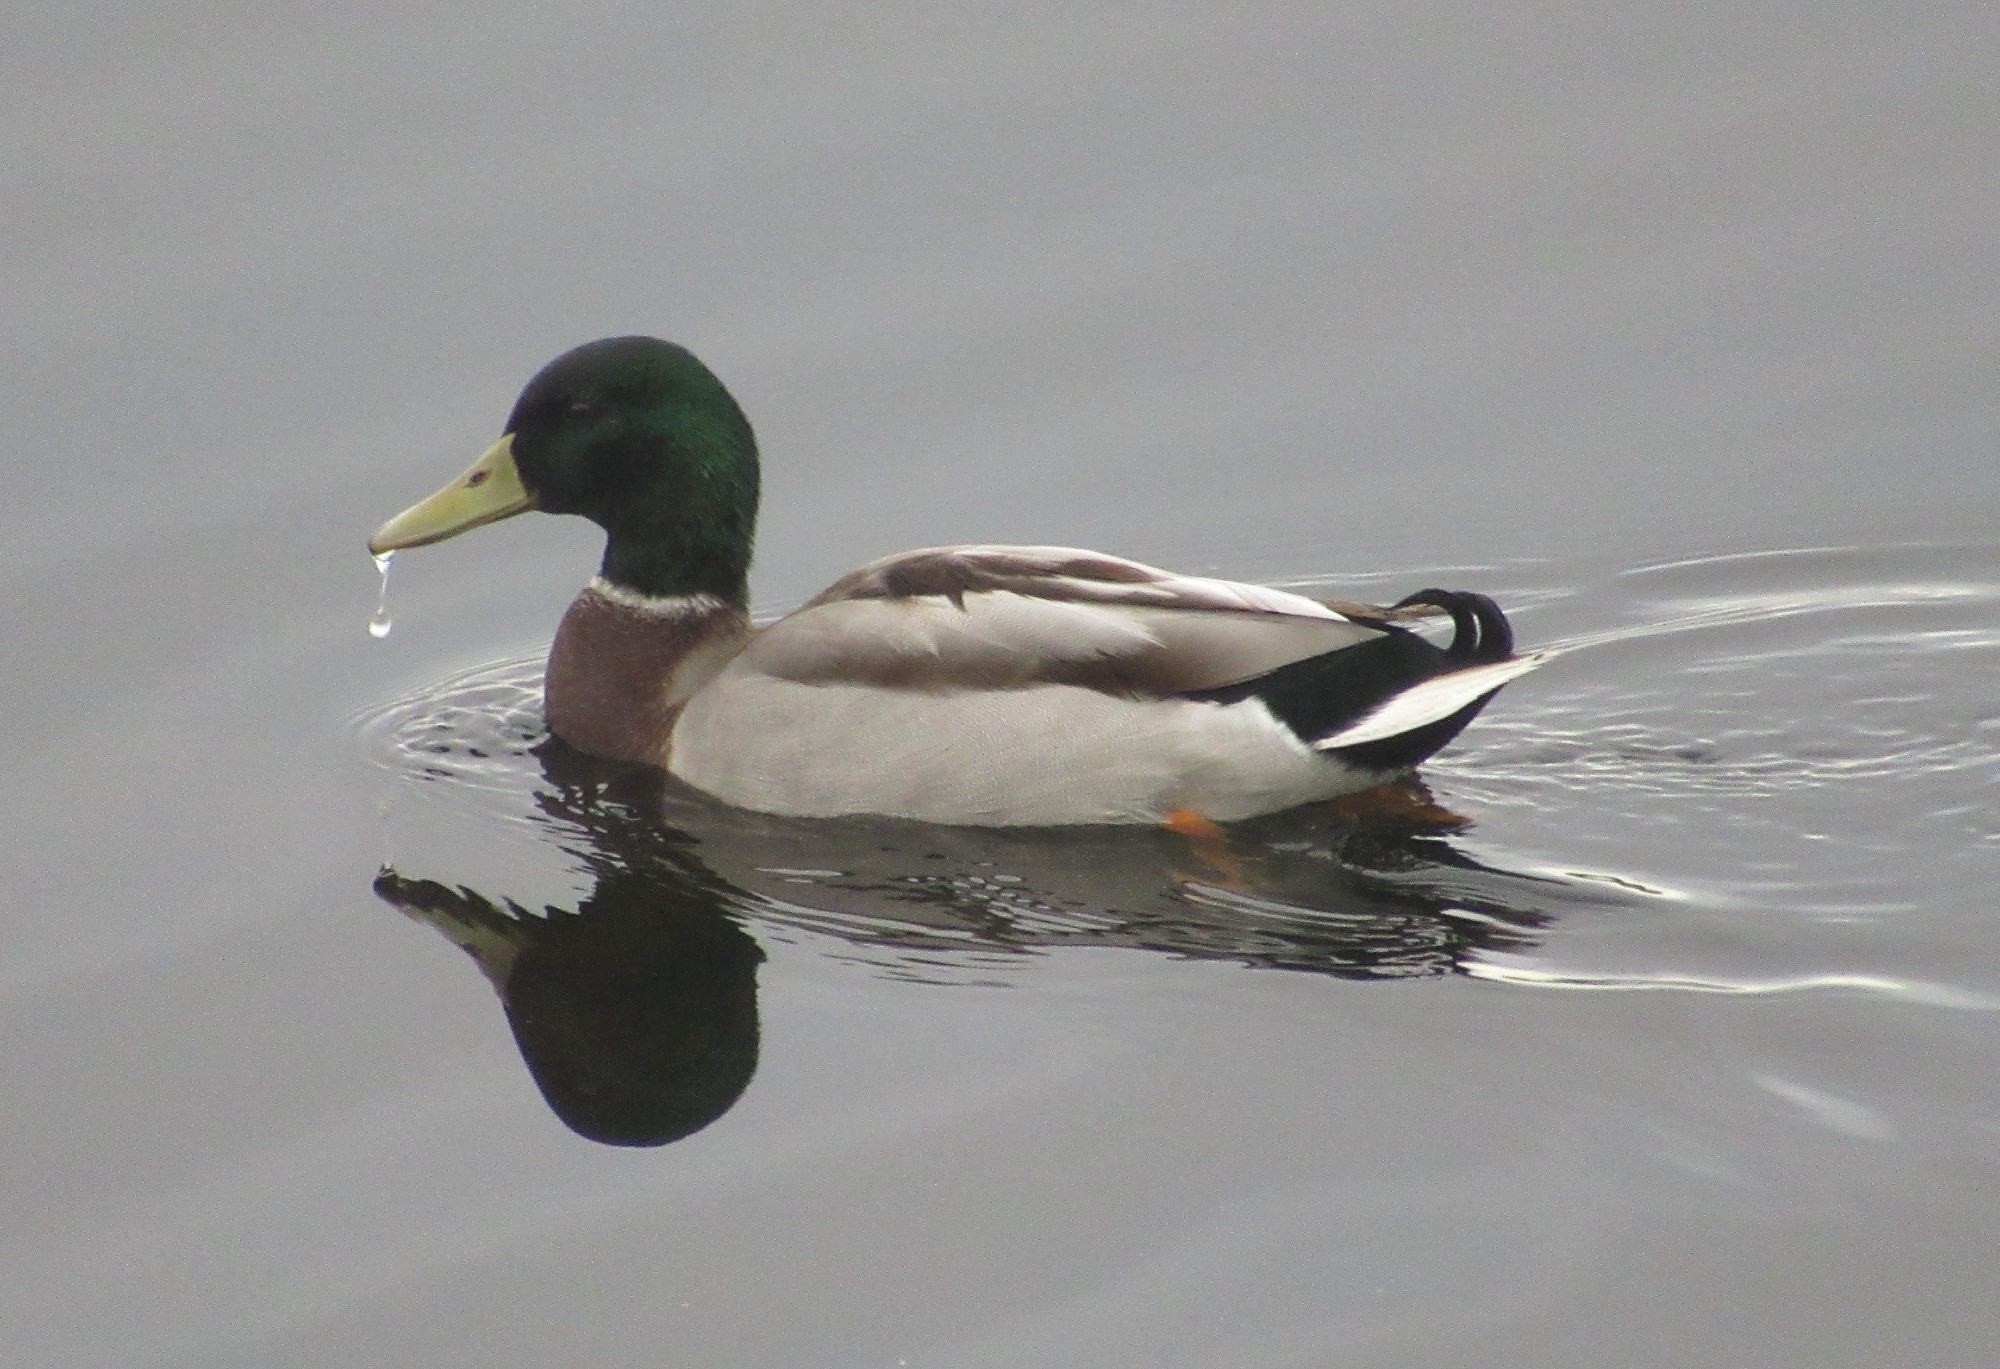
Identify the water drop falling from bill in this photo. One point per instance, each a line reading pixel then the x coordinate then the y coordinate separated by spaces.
pixel 379 625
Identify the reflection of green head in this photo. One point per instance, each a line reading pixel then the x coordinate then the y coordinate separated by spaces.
pixel 637 1014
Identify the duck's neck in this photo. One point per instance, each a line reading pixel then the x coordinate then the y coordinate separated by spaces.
pixel 623 662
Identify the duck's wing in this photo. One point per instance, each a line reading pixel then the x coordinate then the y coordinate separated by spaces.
pixel 993 617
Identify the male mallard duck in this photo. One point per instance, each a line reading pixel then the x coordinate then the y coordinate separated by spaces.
pixel 979 685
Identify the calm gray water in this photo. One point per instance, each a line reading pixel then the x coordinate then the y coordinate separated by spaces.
pixel 1673 328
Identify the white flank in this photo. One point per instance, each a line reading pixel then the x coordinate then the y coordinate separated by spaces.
pixel 1435 698
pixel 1045 755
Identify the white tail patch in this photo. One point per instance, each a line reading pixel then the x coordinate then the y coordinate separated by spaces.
pixel 1435 698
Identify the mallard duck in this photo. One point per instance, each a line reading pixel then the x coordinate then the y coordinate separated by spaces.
pixel 982 685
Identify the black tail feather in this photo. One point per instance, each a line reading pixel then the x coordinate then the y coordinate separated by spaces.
pixel 1480 631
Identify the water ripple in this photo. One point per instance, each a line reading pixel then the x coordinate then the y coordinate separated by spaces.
pixel 1504 969
pixel 477 728
pixel 1755 690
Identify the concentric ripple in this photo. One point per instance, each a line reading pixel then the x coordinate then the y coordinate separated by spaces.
pixel 1755 677
pixel 468 739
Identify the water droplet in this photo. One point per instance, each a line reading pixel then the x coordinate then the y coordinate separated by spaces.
pixel 379 625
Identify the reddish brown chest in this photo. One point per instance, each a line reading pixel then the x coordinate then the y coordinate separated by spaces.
pixel 619 671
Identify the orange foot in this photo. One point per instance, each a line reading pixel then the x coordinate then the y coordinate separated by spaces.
pixel 1209 844
pixel 1399 803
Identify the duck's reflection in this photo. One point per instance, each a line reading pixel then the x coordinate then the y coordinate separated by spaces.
pixel 636 1011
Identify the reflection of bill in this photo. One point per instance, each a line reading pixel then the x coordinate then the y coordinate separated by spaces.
pixel 637 1014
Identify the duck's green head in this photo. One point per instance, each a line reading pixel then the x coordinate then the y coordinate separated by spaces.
pixel 639 437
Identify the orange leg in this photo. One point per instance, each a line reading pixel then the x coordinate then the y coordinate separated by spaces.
pixel 1209 844
pixel 1399 803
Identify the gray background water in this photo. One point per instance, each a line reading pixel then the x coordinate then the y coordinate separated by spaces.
pixel 1530 299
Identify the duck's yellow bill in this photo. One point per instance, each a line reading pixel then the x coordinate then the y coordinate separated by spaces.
pixel 486 493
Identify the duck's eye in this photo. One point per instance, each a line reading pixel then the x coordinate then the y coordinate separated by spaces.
pixel 581 406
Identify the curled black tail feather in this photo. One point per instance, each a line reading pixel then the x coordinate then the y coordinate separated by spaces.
pixel 1321 695
pixel 1480 631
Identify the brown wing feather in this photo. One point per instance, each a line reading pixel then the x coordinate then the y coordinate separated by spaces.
pixel 954 572
pixel 952 618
